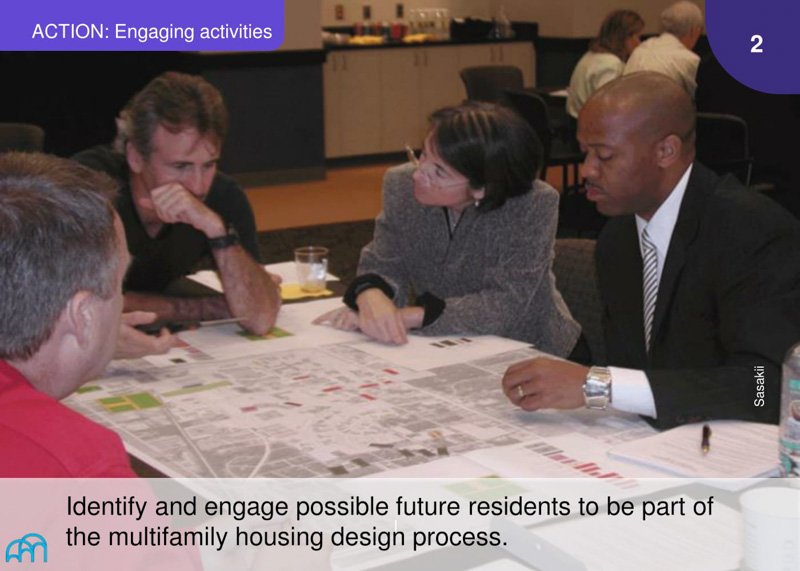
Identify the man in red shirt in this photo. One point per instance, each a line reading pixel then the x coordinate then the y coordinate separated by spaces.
pixel 63 254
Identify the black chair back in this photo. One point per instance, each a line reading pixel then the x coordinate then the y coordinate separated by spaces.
pixel 533 109
pixel 576 280
pixel 489 82
pixel 21 137
pixel 722 145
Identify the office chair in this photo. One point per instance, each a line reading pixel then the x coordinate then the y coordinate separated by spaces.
pixel 21 137
pixel 722 145
pixel 576 279
pixel 488 82
pixel 577 217
pixel 533 109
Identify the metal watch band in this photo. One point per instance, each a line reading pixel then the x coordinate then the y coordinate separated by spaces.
pixel 597 388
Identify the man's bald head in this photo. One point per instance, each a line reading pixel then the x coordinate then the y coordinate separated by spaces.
pixel 638 135
pixel 651 104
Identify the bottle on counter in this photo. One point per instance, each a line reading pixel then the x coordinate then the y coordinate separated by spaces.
pixel 502 25
pixel 789 433
pixel 445 24
pixel 413 21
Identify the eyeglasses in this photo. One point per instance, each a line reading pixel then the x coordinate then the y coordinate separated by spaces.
pixel 412 156
pixel 431 179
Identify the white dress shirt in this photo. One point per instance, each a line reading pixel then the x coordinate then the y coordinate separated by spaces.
pixel 592 72
pixel 666 54
pixel 631 390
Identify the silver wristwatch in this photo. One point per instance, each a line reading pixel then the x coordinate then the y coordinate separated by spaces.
pixel 597 388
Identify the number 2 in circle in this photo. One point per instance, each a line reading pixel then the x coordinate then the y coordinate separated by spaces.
pixel 757 41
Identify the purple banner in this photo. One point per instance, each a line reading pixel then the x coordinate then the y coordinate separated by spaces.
pixel 756 42
pixel 144 25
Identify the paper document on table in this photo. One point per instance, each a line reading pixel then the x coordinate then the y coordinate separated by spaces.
pixel 285 270
pixel 430 352
pixel 294 291
pixel 568 456
pixel 706 543
pixel 738 449
pixel 294 329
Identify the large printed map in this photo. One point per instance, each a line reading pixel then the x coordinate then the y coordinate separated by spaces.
pixel 313 402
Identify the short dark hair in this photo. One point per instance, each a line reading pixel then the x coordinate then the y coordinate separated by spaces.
pixel 176 101
pixel 57 237
pixel 493 147
pixel 615 29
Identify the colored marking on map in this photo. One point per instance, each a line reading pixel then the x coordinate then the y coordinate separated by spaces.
pixel 368 397
pixel 251 408
pixel 489 488
pixel 293 403
pixel 331 389
pixel 126 403
pixel 391 371
pixel 368 385
pixel 274 333
pixel 197 388
pixel 87 389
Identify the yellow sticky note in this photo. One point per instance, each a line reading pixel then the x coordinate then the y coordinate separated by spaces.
pixel 293 291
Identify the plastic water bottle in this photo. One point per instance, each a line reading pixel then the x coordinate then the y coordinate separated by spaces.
pixel 790 415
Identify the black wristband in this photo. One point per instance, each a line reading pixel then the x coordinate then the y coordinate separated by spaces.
pixel 433 306
pixel 363 283
pixel 230 238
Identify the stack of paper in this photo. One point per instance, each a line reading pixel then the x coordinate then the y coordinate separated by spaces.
pixel 737 449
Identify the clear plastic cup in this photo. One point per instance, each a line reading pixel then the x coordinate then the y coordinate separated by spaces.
pixel 311 263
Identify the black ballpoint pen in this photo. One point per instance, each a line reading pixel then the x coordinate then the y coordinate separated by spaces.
pixel 705 443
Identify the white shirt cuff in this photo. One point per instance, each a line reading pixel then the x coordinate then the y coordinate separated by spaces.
pixel 631 392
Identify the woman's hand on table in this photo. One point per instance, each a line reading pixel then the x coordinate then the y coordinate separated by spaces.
pixel 342 318
pixel 380 318
pixel 346 319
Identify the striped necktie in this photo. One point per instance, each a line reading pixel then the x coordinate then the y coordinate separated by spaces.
pixel 649 284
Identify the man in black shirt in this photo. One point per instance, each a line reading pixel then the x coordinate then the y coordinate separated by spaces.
pixel 177 209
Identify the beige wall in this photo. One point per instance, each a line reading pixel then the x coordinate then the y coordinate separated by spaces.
pixel 302 25
pixel 564 18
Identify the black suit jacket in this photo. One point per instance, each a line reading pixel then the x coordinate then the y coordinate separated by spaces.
pixel 728 302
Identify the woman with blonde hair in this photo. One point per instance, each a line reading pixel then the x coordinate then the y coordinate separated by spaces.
pixel 619 35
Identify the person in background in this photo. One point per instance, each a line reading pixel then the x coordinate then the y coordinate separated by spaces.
pixel 699 277
pixel 620 33
pixel 671 52
pixel 464 244
pixel 177 209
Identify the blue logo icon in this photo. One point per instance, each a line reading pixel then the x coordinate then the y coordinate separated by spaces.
pixel 26 544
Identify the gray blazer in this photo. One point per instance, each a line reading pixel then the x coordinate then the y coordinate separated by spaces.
pixel 495 273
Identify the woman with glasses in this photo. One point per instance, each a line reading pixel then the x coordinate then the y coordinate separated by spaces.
pixel 464 243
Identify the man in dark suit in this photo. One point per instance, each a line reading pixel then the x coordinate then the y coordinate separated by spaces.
pixel 699 277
